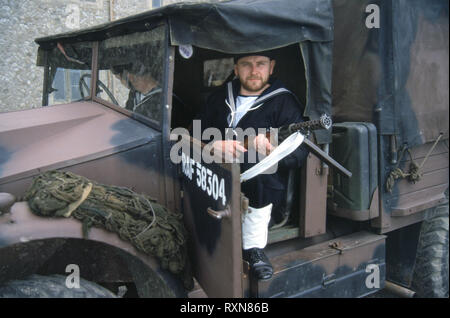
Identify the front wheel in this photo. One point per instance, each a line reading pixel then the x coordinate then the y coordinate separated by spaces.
pixel 54 286
pixel 430 279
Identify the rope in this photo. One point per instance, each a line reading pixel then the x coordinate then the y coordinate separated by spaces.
pixel 136 218
pixel 414 174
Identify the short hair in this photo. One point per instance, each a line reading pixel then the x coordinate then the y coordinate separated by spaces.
pixel 118 69
pixel 136 68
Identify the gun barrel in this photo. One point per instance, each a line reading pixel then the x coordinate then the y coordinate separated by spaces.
pixel 324 122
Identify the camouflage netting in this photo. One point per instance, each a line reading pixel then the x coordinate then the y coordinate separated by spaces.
pixel 136 218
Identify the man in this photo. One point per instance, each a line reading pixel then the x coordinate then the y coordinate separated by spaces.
pixel 259 102
pixel 145 96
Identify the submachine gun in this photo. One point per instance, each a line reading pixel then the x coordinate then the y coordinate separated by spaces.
pixel 286 132
pixel 324 122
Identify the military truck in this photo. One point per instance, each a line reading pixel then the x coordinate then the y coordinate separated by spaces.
pixel 378 68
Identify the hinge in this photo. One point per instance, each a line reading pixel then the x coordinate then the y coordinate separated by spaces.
pixel 244 203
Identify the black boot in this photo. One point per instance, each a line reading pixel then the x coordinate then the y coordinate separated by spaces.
pixel 259 263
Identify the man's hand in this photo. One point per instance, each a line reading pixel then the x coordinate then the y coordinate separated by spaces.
pixel 262 144
pixel 231 148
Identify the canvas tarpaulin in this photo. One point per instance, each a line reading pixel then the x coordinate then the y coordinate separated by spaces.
pixel 395 76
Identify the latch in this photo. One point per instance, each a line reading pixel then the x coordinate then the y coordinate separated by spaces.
pixel 337 246
pixel 225 213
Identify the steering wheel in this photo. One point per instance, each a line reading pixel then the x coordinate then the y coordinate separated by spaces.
pixel 83 85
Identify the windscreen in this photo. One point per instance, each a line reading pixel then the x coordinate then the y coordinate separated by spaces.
pixel 69 73
pixel 131 72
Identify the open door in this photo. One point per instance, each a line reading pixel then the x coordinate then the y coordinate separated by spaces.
pixel 212 212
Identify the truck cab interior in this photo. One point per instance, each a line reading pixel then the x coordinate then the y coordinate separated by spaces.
pixel 196 77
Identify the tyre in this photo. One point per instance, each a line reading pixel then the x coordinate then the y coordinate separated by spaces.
pixel 54 286
pixel 430 278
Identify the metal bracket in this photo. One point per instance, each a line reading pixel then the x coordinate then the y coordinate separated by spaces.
pixel 328 280
pixel 337 246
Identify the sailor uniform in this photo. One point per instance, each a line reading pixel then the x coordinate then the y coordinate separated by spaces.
pixel 274 108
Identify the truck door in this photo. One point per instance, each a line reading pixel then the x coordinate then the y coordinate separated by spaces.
pixel 212 212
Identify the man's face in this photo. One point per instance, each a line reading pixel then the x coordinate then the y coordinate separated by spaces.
pixel 142 83
pixel 254 72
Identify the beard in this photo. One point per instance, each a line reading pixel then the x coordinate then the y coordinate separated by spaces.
pixel 254 84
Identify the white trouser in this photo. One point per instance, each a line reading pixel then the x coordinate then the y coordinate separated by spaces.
pixel 255 223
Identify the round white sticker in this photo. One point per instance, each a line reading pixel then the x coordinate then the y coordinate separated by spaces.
pixel 186 51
